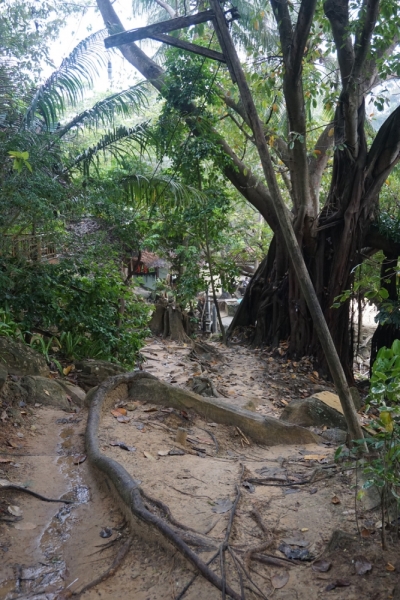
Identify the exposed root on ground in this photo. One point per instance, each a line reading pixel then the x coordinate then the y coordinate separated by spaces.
pixel 19 488
pixel 134 498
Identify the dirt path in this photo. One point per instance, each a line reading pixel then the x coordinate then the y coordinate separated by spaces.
pixel 300 498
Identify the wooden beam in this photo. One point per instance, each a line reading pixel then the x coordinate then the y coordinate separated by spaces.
pixel 195 48
pixel 134 35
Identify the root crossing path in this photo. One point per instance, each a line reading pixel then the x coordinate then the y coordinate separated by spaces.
pixel 259 517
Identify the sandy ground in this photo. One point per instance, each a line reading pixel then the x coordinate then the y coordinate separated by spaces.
pixel 300 496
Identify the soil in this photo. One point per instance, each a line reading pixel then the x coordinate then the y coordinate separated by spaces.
pixel 305 497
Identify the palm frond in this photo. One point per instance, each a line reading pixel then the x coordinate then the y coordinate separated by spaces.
pixel 104 112
pixel 65 86
pixel 160 190
pixel 116 143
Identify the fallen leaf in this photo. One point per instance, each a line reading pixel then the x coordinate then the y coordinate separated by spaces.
pixel 163 452
pixel 4 482
pixel 25 526
pixel 118 412
pixel 123 419
pixel 79 459
pixel 390 567
pixel 362 565
pixel 335 500
pixel 122 411
pixel 15 510
pixel 304 529
pixel 314 456
pixel 47 394
pixel 4 416
pixel 222 505
pixel 249 486
pixel 11 444
pixel 365 533
pixel 295 553
pixel 67 370
pixel 321 566
pixel 152 409
pixel 149 456
pixel 279 581
pixel 176 452
pixel 337 583
pixel 5 460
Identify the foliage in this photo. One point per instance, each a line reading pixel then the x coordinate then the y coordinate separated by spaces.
pixel 383 468
pixel 79 303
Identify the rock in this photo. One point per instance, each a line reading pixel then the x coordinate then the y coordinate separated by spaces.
pixel 204 387
pixel 335 435
pixel 3 376
pixel 309 412
pixel 20 359
pixel 15 392
pixel 76 393
pixel 261 429
pixel 45 391
pixel 92 372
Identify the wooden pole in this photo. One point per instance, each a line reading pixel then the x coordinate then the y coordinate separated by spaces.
pixel 293 247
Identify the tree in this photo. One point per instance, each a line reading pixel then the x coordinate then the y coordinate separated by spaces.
pixel 335 230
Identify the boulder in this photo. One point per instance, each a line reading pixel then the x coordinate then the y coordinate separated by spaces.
pixel 92 372
pixel 20 359
pixel 76 393
pixel 335 435
pixel 45 391
pixel 313 412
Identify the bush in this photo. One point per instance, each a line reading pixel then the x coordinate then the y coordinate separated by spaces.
pixel 85 306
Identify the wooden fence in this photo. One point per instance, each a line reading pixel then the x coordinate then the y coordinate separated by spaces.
pixel 31 247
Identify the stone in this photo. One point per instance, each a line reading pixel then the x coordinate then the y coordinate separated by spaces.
pixel 313 412
pixel 20 359
pixel 45 391
pixel 335 435
pixel 92 372
pixel 76 393
pixel 204 387
pixel 261 429
pixel 3 376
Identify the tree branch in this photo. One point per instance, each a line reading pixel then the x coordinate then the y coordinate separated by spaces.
pixel 383 156
pixel 301 33
pixel 368 18
pixel 337 11
pixel 172 13
pixel 318 162
pixel 133 54
pixel 280 9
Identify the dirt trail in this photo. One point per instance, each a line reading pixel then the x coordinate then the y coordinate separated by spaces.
pixel 64 551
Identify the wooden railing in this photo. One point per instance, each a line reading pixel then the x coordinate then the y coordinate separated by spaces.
pixel 31 247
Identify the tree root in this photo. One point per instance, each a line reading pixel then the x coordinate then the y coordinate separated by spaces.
pixel 129 490
pixel 19 488
pixel 117 562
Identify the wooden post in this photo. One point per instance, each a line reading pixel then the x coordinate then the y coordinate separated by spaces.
pixel 295 254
